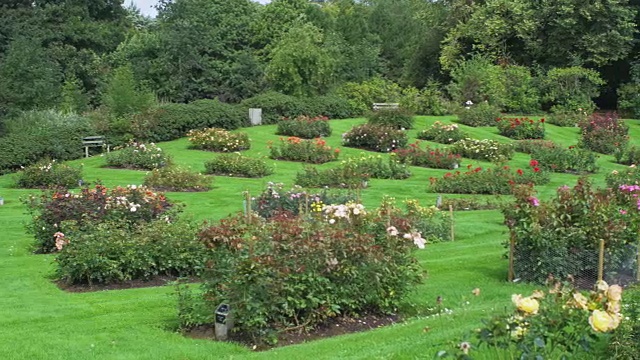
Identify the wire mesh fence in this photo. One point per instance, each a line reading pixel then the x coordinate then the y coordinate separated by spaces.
pixel 582 266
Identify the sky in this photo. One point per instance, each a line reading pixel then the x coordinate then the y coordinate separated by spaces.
pixel 146 6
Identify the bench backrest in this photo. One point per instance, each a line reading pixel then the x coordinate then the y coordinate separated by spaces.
pixel 94 141
pixel 378 106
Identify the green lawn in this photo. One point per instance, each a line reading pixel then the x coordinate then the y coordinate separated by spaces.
pixel 39 321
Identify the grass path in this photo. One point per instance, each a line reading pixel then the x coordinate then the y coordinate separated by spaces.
pixel 39 321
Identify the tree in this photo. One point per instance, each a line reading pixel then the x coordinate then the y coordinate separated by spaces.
pixel 300 65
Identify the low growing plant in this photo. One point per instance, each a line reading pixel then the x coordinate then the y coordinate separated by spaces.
pixel 567 117
pixel 293 148
pixel 571 159
pixel 521 128
pixel 238 165
pixel 428 157
pixel 394 118
pixel 138 156
pixel 175 178
pixel 488 150
pixel 378 167
pixel 481 114
pixel 48 174
pixel 628 176
pixel 305 127
pixel 375 138
pixel 530 146
pixel 442 133
pixel 627 156
pixel 220 140
pixel 347 176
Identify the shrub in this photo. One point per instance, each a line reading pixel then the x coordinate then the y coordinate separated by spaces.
pixel 138 156
pixel 434 225
pixel 521 128
pixel 174 178
pixel 624 344
pixel 48 174
pixel 36 135
pixel 106 253
pixel 627 156
pixel 571 88
pixel 215 139
pixel 431 158
pixel 274 200
pixel 172 121
pixel 521 96
pixel 529 146
pixel 604 133
pixel 567 117
pixel 459 204
pixel 478 80
pixel 128 206
pixel 561 236
pixel 275 106
pixel 628 99
pixel 628 176
pixel 571 159
pixel 346 176
pixel 442 133
pixel 304 127
pixel 375 138
pixel 481 114
pixel 330 264
pixel 310 151
pixel 123 97
pixel 330 106
pixel 378 167
pixel 496 181
pixel 238 165
pixel 489 150
pixel 427 101
pixel 361 96
pixel 393 118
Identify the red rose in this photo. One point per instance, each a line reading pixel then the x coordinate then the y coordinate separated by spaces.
pixel 533 162
pixel 519 171
pixel 536 169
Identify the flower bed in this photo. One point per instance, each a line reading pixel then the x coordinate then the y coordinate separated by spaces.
pixel 393 118
pixel 375 138
pixel 604 133
pixel 47 174
pixel 301 271
pixel 378 166
pixel 521 128
pixel 173 178
pixel 488 150
pixel 530 146
pixel 572 159
pixel 220 140
pixel 347 176
pixel 138 156
pixel 310 151
pixel 627 156
pixel 497 181
pixel 52 211
pixel 430 158
pixel 481 114
pixel 628 176
pixel 305 127
pixel 238 165
pixel 442 133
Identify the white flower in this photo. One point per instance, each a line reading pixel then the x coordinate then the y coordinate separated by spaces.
pixel 407 236
pixel 391 230
pixel 332 221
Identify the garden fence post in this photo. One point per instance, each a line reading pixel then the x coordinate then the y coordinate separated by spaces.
pixel 452 223
pixel 601 261
pixel 512 247
pixel 248 206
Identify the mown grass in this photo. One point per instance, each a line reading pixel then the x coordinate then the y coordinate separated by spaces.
pixel 40 321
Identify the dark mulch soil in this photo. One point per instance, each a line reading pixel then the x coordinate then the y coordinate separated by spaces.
pixel 333 327
pixel 131 284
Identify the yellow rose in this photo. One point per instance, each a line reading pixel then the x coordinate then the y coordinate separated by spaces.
pixel 613 307
pixel 601 321
pixel 614 293
pixel 602 286
pixel 580 300
pixel 528 305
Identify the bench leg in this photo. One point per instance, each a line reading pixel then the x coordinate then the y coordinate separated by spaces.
pixel 86 151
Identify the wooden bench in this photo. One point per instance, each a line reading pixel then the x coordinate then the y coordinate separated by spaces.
pixel 378 106
pixel 94 141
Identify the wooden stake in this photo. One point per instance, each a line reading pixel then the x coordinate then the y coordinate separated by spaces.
pixel 248 202
pixel 512 249
pixel 601 261
pixel 453 232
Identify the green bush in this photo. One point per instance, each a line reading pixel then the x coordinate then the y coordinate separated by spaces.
pixel 362 96
pixel 428 101
pixel 394 118
pixel 478 80
pixel 35 135
pixel 572 159
pixel 331 106
pixel 304 127
pixel 48 174
pixel 571 88
pixel 174 178
pixel 109 253
pixel 488 150
pixel 172 121
pixel 522 96
pixel 567 117
pixel 123 97
pixel 138 156
pixel 238 165
pixel 332 265
pixel 221 140
pixel 629 99
pixel 481 114
pixel 628 156
pixel 314 151
pixel 531 145
pixel 375 138
pixel 624 342
pixel 605 134
pixel 494 181
pixel 442 133
pixel 275 106
pixel 521 128
pixel 348 176
pixel 428 157
pixel 628 176
pixel 378 166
